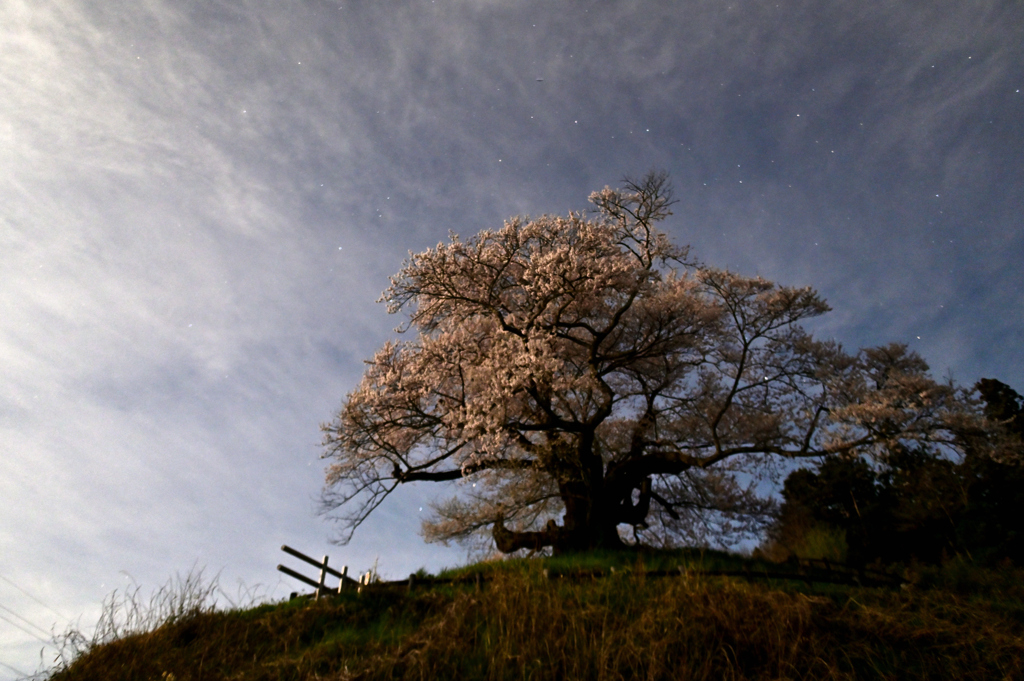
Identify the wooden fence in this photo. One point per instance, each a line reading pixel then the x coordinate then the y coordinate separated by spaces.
pixel 321 585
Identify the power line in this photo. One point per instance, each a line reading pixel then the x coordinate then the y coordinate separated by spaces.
pixel 16 671
pixel 18 626
pixel 32 624
pixel 63 617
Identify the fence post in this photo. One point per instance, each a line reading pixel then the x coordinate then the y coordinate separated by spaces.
pixel 323 578
pixel 364 581
pixel 341 580
pixel 412 581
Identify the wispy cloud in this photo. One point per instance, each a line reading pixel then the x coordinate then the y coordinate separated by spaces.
pixel 202 200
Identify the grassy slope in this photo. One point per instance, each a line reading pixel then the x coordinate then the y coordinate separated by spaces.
pixel 956 623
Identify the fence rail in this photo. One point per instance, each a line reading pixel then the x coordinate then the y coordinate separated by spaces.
pixel 321 585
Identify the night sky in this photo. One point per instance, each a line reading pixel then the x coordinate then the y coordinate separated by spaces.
pixel 200 202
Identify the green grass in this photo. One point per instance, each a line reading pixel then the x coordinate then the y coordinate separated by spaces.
pixel 954 622
pixel 605 562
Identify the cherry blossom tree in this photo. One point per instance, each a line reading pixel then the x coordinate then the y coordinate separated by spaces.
pixel 574 378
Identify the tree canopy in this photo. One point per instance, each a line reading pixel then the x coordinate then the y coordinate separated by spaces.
pixel 583 382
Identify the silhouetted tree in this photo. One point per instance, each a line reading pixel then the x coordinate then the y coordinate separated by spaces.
pixel 919 502
pixel 1002 406
pixel 992 524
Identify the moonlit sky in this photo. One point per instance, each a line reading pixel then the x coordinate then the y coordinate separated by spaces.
pixel 200 202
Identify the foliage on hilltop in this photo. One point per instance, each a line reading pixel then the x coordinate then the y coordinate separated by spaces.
pixel 915 503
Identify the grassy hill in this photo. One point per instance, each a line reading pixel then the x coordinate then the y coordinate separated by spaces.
pixel 573 623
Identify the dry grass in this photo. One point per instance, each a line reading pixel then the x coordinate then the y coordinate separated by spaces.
pixel 522 626
pixel 630 627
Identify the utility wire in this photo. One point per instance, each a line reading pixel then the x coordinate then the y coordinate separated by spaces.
pixel 63 617
pixel 28 622
pixel 16 671
pixel 18 626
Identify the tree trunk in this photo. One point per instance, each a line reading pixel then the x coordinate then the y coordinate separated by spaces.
pixel 589 522
pixel 591 516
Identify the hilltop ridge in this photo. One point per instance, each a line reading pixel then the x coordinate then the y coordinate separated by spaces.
pixel 951 622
